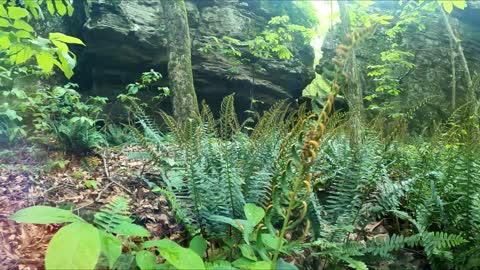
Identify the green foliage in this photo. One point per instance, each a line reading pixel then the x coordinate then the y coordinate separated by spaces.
pixel 175 255
pixel 44 215
pixel 361 16
pixel 79 244
pixel 354 190
pixel 213 176
pixel 59 112
pixel 448 5
pixel 274 41
pixel 443 202
pixel 117 135
pixel 20 43
pixel 75 246
pixel 395 64
pixel 23 113
pixel 112 215
pixel 147 80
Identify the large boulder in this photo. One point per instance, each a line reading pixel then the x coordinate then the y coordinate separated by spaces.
pixel 128 37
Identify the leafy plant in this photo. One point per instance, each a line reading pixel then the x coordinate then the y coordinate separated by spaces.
pixel 19 42
pixel 59 112
pixel 79 245
pixel 147 80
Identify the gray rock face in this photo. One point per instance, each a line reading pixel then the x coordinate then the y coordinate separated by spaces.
pixel 431 75
pixel 129 37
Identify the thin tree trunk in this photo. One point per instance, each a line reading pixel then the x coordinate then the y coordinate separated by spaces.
pixel 353 91
pixel 185 105
pixel 454 76
pixel 471 97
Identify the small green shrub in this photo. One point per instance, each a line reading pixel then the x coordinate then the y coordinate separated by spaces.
pixel 58 114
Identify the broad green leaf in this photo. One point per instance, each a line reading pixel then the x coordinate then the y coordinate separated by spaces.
pixel 247 252
pixel 199 245
pixel 447 6
pixel 242 225
pixel 130 229
pixel 50 7
pixel 67 71
pixel 232 222
pixel 125 261
pixel 259 265
pixel 75 246
pixel 4 42
pixel 219 265
pixel 64 38
pixel 45 61
pixel 12 115
pixel 22 56
pixel 61 46
pixel 61 8
pixel 180 257
pixel 3 12
pixel 270 240
pixel 67 63
pixel 21 24
pixel 283 265
pixel 34 9
pixel 145 260
pixel 242 263
pixel 253 213
pixel 44 215
pixel 460 4
pixel 247 264
pixel 17 12
pixel 111 247
pixel 23 34
pixel 69 9
pixel 4 23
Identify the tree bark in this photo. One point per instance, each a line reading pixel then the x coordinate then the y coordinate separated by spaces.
pixel 184 100
pixel 353 91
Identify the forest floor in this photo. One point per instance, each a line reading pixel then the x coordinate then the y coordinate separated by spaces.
pixel 83 186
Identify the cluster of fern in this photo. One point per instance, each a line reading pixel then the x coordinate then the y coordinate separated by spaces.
pixel 213 168
pixel 443 204
pixel 217 167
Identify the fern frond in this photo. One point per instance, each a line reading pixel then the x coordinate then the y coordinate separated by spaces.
pixel 208 119
pixel 382 247
pixel 271 120
pixel 228 121
pixel 111 215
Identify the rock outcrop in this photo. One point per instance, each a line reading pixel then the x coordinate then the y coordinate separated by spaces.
pixel 128 37
pixel 431 74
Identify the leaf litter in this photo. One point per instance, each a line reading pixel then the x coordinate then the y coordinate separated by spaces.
pixel 84 186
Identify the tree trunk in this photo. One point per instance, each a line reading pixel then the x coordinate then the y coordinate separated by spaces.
pixel 353 91
pixel 471 96
pixel 454 75
pixel 185 105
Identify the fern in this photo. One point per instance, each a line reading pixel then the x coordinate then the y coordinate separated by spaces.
pixel 77 137
pixel 113 214
pixel 228 118
pixel 382 247
pixel 217 167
